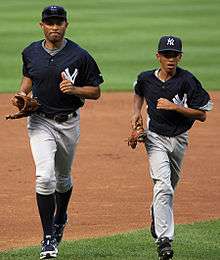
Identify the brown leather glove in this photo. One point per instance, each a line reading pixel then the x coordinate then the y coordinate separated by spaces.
pixel 137 135
pixel 26 106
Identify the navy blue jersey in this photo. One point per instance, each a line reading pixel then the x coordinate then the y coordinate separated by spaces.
pixel 45 72
pixel 183 89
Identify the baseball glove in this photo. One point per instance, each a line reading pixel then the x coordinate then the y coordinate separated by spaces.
pixel 137 135
pixel 26 106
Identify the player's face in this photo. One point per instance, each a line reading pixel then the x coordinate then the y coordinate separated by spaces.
pixel 169 60
pixel 54 29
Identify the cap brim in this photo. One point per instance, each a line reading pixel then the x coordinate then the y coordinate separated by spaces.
pixel 175 50
pixel 53 16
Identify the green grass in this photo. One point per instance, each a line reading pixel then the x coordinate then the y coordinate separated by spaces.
pixel 194 241
pixel 122 35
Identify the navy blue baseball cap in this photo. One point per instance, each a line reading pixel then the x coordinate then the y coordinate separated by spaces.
pixel 54 11
pixel 170 43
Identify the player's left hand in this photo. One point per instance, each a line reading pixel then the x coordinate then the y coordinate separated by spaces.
pixel 66 86
pixel 163 103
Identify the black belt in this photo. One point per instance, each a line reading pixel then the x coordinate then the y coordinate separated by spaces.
pixel 59 118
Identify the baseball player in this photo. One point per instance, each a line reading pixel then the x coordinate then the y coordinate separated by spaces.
pixel 61 75
pixel 175 99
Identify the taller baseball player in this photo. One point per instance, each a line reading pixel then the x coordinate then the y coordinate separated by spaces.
pixel 175 99
pixel 61 75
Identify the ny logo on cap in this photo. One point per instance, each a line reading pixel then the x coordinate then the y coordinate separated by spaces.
pixel 170 41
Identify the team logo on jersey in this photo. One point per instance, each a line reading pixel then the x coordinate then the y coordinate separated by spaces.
pixel 170 41
pixel 70 77
pixel 178 101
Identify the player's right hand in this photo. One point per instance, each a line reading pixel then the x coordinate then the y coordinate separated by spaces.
pixel 135 119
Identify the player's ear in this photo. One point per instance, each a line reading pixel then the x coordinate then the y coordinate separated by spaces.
pixel 41 24
pixel 180 56
pixel 158 56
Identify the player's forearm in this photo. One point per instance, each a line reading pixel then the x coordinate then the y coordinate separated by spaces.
pixel 26 85
pixel 137 104
pixel 196 114
pixel 191 113
pixel 88 92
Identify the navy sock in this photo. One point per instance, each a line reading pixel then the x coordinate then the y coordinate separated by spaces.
pixel 46 207
pixel 62 201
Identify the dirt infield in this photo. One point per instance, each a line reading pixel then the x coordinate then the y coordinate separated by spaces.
pixel 112 186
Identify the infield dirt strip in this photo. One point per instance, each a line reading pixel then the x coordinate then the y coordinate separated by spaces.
pixel 112 187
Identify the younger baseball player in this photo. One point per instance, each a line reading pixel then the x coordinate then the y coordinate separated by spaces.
pixel 175 99
pixel 61 75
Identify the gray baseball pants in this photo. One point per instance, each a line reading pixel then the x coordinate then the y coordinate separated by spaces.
pixel 165 159
pixel 53 148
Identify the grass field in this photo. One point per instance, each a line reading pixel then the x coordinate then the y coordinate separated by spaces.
pixel 195 241
pixel 122 35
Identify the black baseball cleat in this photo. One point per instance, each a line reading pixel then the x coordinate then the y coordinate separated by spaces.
pixel 164 249
pixel 49 248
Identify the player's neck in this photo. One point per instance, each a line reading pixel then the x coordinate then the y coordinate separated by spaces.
pixel 164 75
pixel 53 45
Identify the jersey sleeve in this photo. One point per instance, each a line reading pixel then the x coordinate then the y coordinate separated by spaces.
pixel 25 66
pixel 138 89
pixel 91 73
pixel 199 97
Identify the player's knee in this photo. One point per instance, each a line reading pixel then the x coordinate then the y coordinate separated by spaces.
pixel 45 185
pixel 163 188
pixel 63 184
